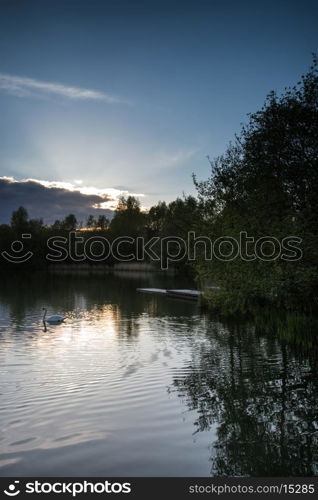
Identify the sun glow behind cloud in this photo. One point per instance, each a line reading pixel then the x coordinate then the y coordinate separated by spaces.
pixel 110 195
pixel 104 153
pixel 84 146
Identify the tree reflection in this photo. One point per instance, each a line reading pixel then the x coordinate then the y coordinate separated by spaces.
pixel 261 395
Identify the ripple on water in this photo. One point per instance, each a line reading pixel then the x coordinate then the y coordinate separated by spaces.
pixel 119 389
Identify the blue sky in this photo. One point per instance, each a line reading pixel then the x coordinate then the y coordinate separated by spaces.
pixel 129 96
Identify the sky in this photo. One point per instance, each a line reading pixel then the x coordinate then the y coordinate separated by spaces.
pixel 103 98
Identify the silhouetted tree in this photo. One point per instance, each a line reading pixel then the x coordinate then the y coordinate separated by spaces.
pixel 91 222
pixel 102 222
pixel 36 225
pixel 128 219
pixel 57 225
pixel 19 220
pixel 156 218
pixel 69 223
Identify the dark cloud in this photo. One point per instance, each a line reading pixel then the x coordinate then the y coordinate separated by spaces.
pixel 48 203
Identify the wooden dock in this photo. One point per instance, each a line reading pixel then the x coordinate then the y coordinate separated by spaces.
pixel 180 294
pixel 157 291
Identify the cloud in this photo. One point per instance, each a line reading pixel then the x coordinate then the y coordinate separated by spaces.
pixel 108 196
pixel 54 200
pixel 29 87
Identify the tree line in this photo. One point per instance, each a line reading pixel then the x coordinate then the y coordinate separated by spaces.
pixel 265 185
pixel 129 222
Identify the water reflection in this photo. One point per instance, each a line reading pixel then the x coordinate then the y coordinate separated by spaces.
pixel 136 384
pixel 263 397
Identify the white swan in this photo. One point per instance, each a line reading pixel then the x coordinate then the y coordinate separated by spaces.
pixel 56 319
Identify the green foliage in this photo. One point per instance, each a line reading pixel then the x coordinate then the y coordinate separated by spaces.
pixel 102 222
pixel 266 185
pixel 156 218
pixel 227 303
pixel 128 219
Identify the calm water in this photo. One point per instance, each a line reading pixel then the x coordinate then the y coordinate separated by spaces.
pixel 141 385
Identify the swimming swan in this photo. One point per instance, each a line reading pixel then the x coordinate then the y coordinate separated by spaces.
pixel 56 319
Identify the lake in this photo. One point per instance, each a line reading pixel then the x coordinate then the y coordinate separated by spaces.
pixel 144 385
